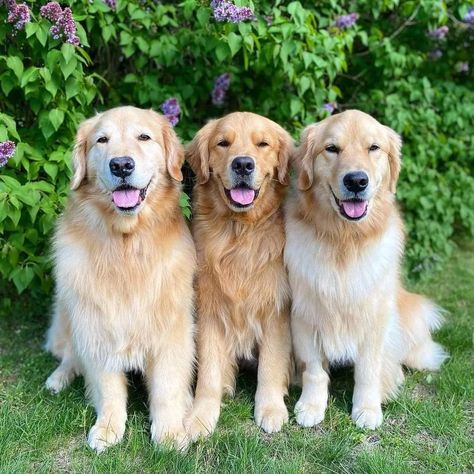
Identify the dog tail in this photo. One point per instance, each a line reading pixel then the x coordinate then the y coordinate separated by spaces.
pixel 419 318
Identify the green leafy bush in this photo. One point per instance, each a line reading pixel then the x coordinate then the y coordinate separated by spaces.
pixel 292 61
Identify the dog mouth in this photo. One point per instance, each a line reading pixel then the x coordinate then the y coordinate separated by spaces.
pixel 241 196
pixel 352 209
pixel 128 198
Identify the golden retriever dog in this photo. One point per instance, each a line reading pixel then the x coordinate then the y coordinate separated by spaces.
pixel 241 164
pixel 343 252
pixel 124 263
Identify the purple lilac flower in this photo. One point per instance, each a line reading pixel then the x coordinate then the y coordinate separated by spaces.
pixel 64 25
pixel 111 3
pixel 346 21
pixel 439 33
pixel 330 107
pixel 221 85
pixel 462 67
pixel 52 11
pixel 18 14
pixel 435 54
pixel 227 11
pixel 469 16
pixel 7 150
pixel 171 110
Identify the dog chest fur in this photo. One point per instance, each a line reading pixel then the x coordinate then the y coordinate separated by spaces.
pixel 341 302
pixel 110 322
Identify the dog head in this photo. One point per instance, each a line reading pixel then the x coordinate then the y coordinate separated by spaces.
pixel 348 160
pixel 124 153
pixel 241 154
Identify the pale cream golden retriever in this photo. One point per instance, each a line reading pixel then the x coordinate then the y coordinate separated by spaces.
pixel 343 252
pixel 123 263
pixel 241 164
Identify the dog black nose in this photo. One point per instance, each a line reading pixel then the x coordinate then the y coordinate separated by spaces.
pixel 243 165
pixel 356 182
pixel 122 166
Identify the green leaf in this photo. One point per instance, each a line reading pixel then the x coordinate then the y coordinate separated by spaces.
pixel 56 118
pixel 31 28
pixel 72 87
pixel 16 65
pixel 45 124
pixel 235 42
pixel 42 34
pixel 29 75
pixel 51 169
pixel 67 50
pixel 222 51
pixel 68 68
pixel 22 277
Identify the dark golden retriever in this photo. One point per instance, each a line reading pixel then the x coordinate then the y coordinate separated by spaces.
pixel 241 164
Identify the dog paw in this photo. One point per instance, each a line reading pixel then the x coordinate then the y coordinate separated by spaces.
pixel 200 424
pixel 57 381
pixel 365 417
pixel 271 418
pixel 174 437
pixel 198 427
pixel 308 414
pixel 102 436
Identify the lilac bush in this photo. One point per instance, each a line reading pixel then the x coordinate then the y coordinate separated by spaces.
pixel 19 14
pixel 346 21
pixel 226 11
pixel 7 150
pixel 221 85
pixel 439 33
pixel 64 25
pixel 171 110
pixel 330 107
pixel 469 16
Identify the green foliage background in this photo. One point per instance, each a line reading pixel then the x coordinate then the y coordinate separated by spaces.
pixel 143 52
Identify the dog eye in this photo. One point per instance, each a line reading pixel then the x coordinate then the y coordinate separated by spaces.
pixel 262 144
pixel 144 137
pixel 374 147
pixel 332 149
pixel 223 143
pixel 102 140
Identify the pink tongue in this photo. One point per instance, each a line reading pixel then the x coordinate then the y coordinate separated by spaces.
pixel 354 209
pixel 126 197
pixel 243 196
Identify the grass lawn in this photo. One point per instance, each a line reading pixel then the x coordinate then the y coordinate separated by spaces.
pixel 429 428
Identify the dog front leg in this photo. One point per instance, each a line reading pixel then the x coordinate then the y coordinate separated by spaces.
pixel 214 366
pixel 311 406
pixel 169 378
pixel 109 394
pixel 367 398
pixel 273 374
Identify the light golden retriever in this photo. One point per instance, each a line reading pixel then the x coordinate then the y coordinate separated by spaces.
pixel 124 265
pixel 241 163
pixel 343 252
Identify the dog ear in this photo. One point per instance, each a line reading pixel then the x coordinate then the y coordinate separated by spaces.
pixel 79 153
pixel 174 151
pixel 304 157
pixel 394 157
pixel 285 151
pixel 197 152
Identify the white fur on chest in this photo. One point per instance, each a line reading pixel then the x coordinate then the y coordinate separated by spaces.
pixel 341 302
